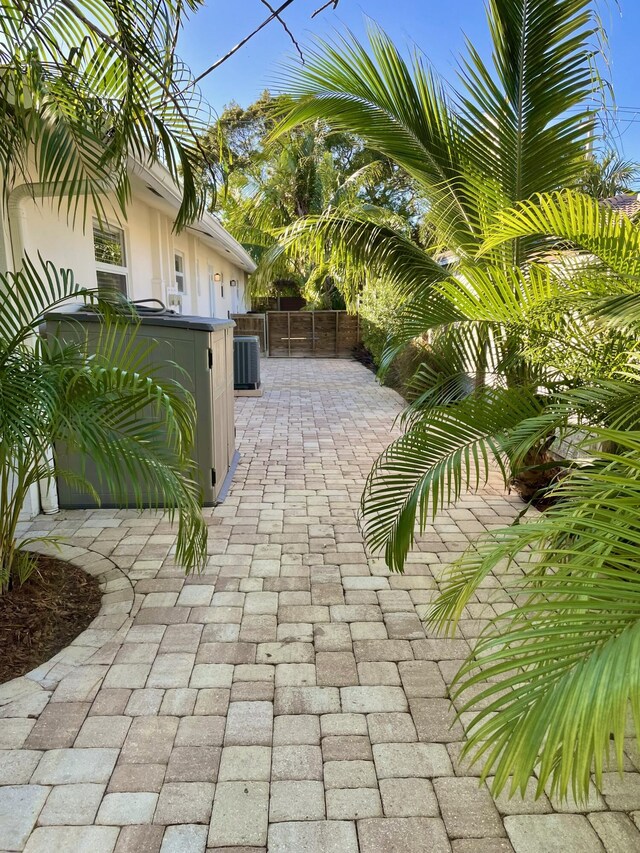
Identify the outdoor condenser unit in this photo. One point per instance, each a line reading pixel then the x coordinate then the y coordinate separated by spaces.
pixel 246 362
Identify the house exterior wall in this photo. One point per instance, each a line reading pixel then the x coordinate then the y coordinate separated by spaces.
pixel 150 246
pixel 39 226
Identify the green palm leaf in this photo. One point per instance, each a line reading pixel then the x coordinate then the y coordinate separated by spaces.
pixel 87 84
pixel 516 114
pixel 445 450
pixel 137 428
pixel 606 239
pixel 557 674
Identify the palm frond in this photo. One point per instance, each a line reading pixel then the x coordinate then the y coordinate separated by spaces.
pixel 446 450
pixel 605 238
pixel 535 101
pixel 107 404
pixel 557 674
pixel 358 244
pixel 397 108
pixel 87 84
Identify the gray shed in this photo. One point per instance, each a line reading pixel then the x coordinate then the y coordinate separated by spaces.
pixel 195 351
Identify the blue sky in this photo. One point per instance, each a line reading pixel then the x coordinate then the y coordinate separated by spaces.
pixel 438 27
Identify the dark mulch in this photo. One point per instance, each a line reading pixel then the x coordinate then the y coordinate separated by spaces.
pixel 44 615
pixel 362 354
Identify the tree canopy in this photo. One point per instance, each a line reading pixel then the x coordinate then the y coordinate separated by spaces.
pixel 271 183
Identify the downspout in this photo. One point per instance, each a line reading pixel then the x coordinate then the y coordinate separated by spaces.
pixel 16 216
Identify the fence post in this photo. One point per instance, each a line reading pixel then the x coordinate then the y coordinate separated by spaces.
pixel 337 332
pixel 289 333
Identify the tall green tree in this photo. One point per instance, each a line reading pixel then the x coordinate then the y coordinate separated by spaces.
pixel 271 184
pixel 532 325
pixel 517 126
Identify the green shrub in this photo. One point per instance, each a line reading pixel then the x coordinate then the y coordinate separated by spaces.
pixel 379 308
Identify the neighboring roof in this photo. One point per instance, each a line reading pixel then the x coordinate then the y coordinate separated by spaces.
pixel 160 185
pixel 627 203
pixel 446 258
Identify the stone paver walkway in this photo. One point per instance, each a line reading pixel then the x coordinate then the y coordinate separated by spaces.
pixel 288 698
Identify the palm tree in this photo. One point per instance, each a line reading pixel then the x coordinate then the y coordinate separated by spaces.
pixel 555 678
pixel 86 85
pixel 507 131
pixel 137 428
pixel 269 185
pixel 609 175
pixel 534 327
pixel 280 183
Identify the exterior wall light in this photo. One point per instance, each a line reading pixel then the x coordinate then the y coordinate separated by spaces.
pixel 217 277
pixel 233 282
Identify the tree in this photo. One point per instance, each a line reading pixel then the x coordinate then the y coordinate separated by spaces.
pixel 532 323
pixel 609 175
pixel 235 141
pixel 271 184
pixel 137 428
pixel 555 678
pixel 509 131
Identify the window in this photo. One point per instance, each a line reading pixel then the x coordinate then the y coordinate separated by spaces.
pixel 179 271
pixel 111 257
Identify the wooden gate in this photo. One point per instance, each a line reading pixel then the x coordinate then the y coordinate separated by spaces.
pixel 312 334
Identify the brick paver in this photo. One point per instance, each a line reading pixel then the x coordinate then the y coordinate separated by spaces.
pixel 288 699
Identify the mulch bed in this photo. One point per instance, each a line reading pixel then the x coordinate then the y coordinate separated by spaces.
pixel 44 615
pixel 362 354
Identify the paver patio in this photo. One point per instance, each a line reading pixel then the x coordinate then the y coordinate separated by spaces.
pixel 287 699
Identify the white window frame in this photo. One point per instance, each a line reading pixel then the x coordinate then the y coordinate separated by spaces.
pixel 179 275
pixel 114 269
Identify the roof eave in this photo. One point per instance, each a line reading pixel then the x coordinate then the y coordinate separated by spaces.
pixel 159 181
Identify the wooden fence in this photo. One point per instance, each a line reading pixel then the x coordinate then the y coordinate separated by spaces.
pixel 252 324
pixel 302 334
pixel 312 334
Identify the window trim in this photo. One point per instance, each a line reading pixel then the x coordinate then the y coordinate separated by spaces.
pixel 183 272
pixel 114 269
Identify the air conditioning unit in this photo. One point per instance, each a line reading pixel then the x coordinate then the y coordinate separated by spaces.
pixel 246 363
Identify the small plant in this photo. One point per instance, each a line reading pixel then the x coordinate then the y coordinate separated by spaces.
pixel 107 404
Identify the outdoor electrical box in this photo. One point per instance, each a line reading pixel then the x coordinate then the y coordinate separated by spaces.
pixel 197 352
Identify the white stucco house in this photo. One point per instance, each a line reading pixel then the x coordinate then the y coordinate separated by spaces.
pixel 202 270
